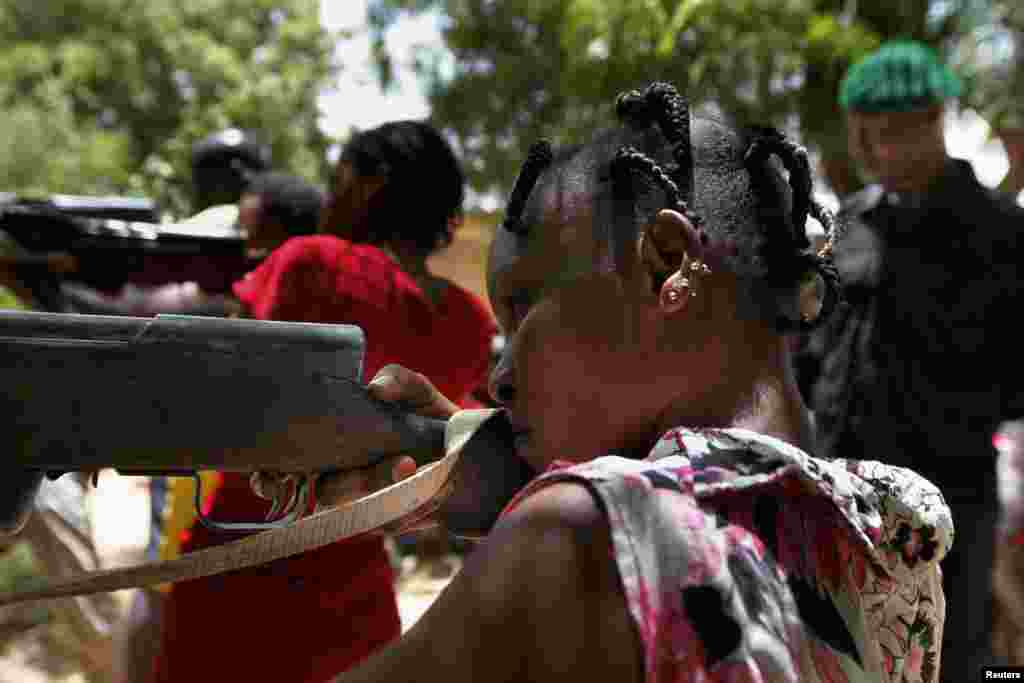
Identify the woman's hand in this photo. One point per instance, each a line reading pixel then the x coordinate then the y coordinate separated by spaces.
pixel 392 384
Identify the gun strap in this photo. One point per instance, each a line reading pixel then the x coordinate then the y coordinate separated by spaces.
pixel 403 500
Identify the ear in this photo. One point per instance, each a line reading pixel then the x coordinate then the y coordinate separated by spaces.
pixel 663 245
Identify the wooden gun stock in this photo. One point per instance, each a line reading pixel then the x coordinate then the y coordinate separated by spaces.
pixel 176 394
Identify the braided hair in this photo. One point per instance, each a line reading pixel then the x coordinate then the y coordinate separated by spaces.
pixel 730 184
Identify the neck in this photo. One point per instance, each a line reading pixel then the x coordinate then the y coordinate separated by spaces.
pixel 930 186
pixel 776 408
pixel 759 393
pixel 412 261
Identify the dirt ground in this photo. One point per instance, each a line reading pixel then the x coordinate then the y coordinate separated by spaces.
pixel 465 259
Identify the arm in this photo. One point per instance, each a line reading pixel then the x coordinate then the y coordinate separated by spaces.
pixel 169 298
pixel 540 600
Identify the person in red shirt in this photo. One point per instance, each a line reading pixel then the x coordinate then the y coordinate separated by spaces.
pixel 396 198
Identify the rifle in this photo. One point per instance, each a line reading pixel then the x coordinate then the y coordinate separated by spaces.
pixel 176 394
pixel 116 240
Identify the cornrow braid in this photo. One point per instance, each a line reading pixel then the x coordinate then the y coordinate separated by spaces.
pixel 633 108
pixel 795 160
pixel 672 112
pixel 537 159
pixel 833 229
pixel 661 103
pixel 810 264
pixel 753 219
pixel 629 160
pixel 771 142
pixel 825 266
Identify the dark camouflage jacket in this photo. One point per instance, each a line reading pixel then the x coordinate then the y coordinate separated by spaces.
pixel 923 359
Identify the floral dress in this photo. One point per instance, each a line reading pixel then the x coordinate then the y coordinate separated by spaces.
pixel 744 559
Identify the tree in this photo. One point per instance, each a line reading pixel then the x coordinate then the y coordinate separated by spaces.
pixel 109 95
pixel 524 68
pixel 993 57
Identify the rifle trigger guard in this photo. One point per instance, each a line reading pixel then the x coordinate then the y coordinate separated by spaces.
pixel 285 514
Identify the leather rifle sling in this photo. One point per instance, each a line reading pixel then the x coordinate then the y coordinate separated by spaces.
pixel 376 510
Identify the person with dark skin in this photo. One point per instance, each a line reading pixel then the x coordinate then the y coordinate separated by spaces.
pixel 273 208
pixel 918 366
pixel 647 282
pixel 223 164
pixel 395 199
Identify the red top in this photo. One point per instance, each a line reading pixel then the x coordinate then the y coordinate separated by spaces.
pixel 321 278
pixel 310 617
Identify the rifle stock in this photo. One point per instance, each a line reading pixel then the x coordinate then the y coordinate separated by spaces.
pixel 176 394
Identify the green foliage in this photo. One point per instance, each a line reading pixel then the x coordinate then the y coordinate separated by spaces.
pixel 530 67
pixel 109 95
pixel 19 571
pixel 992 59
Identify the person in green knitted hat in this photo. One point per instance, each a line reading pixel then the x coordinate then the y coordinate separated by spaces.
pixel 917 369
pixel 900 76
pixel 894 100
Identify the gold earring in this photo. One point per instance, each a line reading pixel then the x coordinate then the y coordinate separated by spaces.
pixel 683 284
pixel 690 273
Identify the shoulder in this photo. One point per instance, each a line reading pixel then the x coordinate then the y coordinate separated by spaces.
pixel 915 523
pixel 1009 212
pixel 216 221
pixel 565 513
pixel 560 520
pixel 309 248
pixel 472 306
pixel 555 540
pixel 893 510
pixel 862 201
pixel 296 270
pixel 975 203
pixel 859 254
pixel 330 253
pixel 543 581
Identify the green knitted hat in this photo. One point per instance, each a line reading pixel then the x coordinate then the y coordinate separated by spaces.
pixel 899 76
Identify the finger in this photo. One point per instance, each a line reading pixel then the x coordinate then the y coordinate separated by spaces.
pixel 340 488
pixel 404 468
pixel 343 487
pixel 394 383
pixel 385 473
pixel 268 485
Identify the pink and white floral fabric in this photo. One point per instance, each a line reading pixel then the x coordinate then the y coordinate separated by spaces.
pixel 744 559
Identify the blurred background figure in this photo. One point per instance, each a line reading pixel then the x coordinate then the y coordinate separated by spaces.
pixel 272 208
pixel 395 199
pixel 223 165
pixel 916 369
